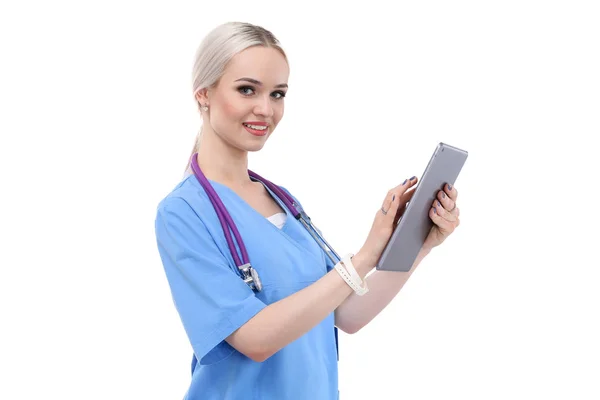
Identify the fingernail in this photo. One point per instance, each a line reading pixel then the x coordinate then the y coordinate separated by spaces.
pixel 438 203
pixel 393 197
pixel 443 195
pixel 412 178
pixel 434 210
pixel 404 183
pixel 449 187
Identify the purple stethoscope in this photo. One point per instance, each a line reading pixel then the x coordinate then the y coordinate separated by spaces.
pixel 244 268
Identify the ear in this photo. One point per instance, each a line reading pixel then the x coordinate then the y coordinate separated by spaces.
pixel 202 96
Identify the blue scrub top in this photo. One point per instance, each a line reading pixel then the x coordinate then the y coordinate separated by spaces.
pixel 213 301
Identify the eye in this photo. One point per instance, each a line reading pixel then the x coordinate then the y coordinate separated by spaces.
pixel 246 90
pixel 278 94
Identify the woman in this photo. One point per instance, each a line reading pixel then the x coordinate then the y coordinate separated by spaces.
pixel 279 342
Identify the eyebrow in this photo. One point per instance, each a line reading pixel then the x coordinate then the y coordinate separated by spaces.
pixel 259 83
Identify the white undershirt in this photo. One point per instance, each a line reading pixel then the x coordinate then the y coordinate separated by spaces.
pixel 278 219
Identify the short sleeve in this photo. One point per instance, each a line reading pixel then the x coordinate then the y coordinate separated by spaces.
pixel 211 299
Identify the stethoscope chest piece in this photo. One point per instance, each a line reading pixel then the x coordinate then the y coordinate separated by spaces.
pixel 250 276
pixel 256 280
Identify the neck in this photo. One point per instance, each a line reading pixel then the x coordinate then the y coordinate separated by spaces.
pixel 223 163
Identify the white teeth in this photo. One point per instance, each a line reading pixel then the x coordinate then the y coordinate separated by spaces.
pixel 257 127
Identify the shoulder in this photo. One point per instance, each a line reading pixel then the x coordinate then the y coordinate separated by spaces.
pixel 285 189
pixel 186 198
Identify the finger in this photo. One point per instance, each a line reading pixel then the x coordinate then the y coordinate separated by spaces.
pixel 445 226
pixel 403 204
pixel 446 201
pixel 390 204
pixel 405 186
pixel 396 196
pixel 407 196
pixel 442 212
pixel 451 191
pixel 404 189
pixel 408 183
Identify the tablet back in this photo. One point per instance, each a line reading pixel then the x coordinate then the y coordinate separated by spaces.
pixel 414 225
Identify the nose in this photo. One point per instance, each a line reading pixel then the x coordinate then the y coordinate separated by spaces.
pixel 264 107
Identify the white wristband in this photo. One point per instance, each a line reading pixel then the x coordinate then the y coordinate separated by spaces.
pixel 347 271
pixel 346 276
pixel 347 261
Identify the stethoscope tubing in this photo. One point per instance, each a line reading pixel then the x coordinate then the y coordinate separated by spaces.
pixel 227 222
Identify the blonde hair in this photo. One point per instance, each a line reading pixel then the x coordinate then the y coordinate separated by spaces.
pixel 217 49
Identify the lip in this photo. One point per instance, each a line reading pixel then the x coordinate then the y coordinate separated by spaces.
pixel 254 131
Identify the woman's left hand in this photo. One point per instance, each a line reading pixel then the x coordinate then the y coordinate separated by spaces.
pixel 444 213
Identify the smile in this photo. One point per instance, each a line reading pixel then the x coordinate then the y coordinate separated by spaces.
pixel 256 127
pixel 256 130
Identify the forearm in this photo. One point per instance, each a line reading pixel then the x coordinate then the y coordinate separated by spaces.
pixel 286 320
pixel 357 311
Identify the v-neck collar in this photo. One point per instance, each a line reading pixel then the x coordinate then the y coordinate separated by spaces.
pixel 253 210
pixel 287 231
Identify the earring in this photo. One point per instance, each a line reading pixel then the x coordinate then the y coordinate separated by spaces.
pixel 205 108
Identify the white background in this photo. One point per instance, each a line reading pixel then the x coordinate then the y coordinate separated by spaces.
pixel 97 121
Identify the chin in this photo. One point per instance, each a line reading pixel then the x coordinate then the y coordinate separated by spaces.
pixel 255 147
pixel 256 143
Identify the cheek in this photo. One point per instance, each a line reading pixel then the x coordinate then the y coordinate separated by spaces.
pixel 226 112
pixel 232 109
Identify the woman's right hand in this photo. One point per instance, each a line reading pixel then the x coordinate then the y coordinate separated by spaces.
pixel 385 220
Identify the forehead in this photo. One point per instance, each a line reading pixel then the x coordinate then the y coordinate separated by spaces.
pixel 264 64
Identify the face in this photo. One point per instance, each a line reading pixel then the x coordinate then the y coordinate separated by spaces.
pixel 247 103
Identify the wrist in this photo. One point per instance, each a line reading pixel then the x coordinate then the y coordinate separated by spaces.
pixel 424 252
pixel 363 263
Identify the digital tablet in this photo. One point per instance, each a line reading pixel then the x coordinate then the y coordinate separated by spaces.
pixel 414 225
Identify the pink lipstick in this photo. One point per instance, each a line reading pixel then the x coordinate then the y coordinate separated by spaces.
pixel 257 128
